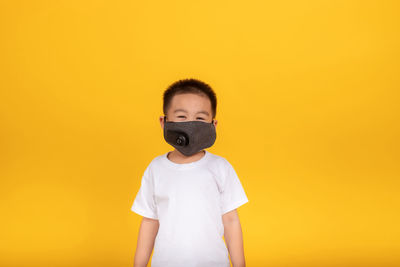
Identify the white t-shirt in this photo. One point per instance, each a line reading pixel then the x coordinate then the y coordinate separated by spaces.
pixel 189 200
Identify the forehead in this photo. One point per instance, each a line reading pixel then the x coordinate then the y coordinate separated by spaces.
pixel 190 102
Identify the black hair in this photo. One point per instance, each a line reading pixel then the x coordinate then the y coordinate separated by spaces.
pixel 191 85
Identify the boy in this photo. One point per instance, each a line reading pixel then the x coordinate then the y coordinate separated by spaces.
pixel 188 197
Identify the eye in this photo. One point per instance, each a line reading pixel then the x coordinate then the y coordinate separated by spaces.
pixel 181 116
pixel 201 118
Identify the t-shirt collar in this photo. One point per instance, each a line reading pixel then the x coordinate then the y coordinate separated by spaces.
pixel 184 166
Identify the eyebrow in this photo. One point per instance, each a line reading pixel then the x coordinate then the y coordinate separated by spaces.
pixel 183 110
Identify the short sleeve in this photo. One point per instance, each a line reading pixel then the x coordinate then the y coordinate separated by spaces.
pixel 233 194
pixel 144 203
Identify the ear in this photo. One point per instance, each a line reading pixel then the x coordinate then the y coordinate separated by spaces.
pixel 162 121
pixel 215 123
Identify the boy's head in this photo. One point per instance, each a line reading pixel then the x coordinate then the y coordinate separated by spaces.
pixel 189 100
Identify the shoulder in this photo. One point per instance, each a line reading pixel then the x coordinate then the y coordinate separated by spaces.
pixel 219 162
pixel 157 160
pixel 154 164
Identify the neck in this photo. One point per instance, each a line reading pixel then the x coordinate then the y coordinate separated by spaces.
pixel 178 157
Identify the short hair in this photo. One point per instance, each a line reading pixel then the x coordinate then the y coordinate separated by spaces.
pixel 190 85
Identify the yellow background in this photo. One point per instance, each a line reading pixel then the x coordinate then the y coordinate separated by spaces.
pixel 308 111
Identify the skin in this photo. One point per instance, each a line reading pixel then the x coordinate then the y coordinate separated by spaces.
pixel 190 107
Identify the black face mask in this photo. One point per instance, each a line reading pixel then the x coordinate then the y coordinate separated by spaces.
pixel 189 137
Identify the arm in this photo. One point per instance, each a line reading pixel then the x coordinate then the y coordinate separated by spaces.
pixel 233 238
pixel 147 234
